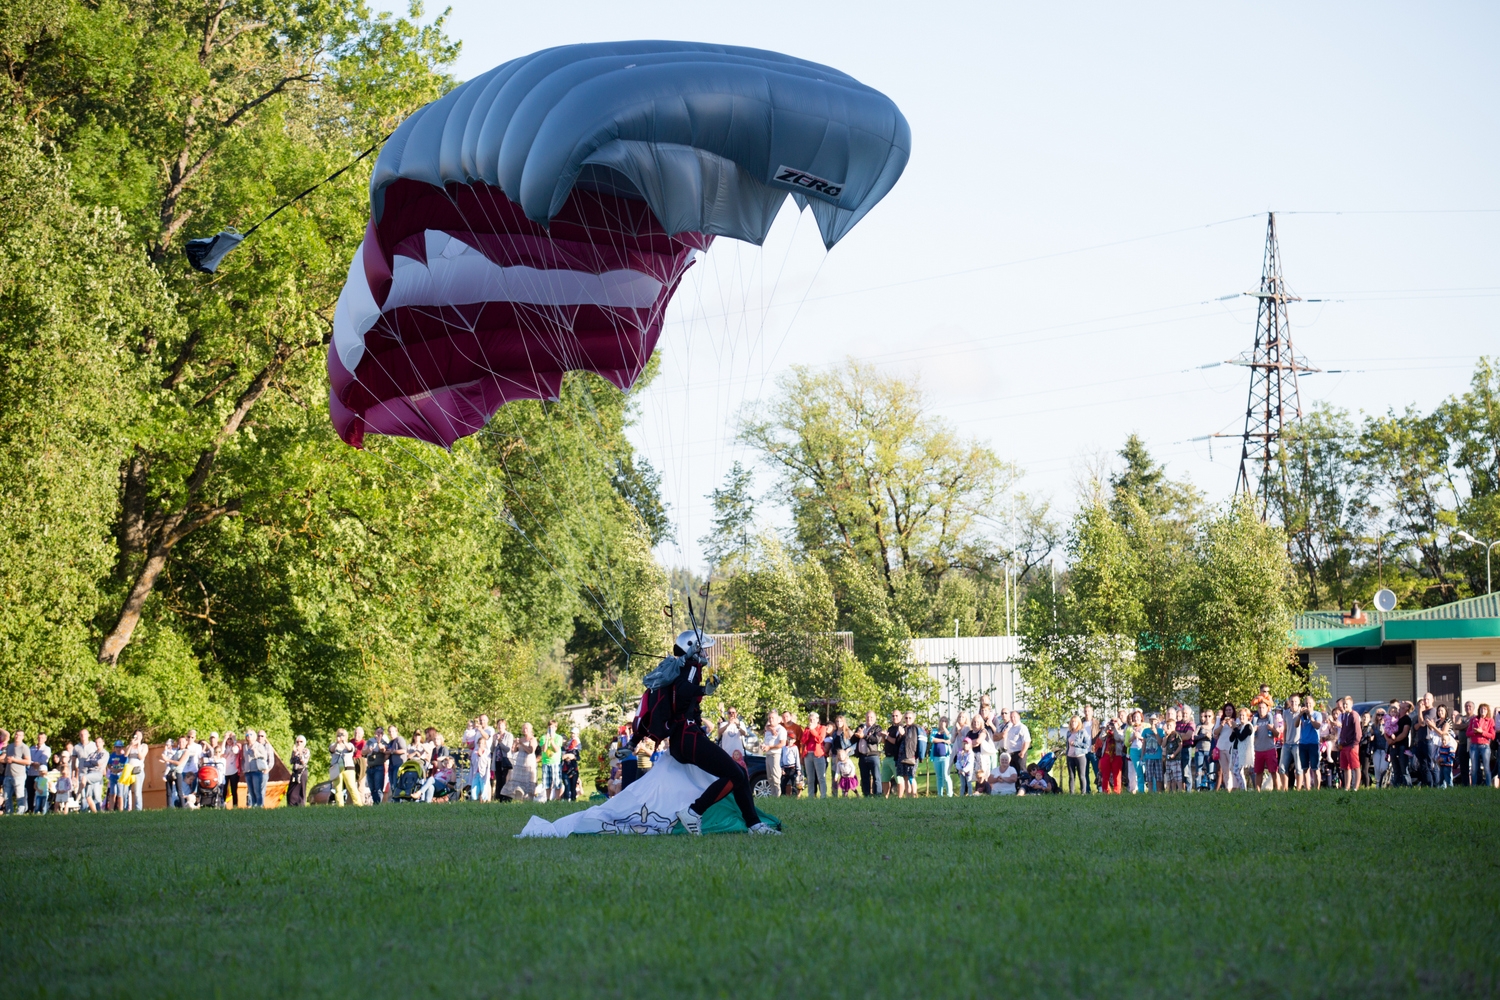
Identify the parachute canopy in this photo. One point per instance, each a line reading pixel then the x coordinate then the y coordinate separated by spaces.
pixel 537 219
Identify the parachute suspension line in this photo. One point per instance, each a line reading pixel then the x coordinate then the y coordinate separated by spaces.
pixel 551 560
pixel 504 515
pixel 749 291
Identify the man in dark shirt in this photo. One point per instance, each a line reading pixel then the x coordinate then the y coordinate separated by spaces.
pixel 374 757
pixel 906 761
pixel 869 741
pixel 1423 717
pixel 892 743
pixel 1400 741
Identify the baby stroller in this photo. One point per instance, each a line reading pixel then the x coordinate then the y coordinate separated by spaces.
pixel 210 785
pixel 408 781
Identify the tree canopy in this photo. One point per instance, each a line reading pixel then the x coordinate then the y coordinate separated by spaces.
pixel 185 540
pixel 1165 600
pixel 1379 500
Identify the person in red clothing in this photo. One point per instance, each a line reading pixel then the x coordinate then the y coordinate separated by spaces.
pixel 1111 757
pixel 814 757
pixel 361 762
pixel 1351 731
pixel 1481 735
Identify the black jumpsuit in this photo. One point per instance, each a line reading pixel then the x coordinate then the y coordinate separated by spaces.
pixel 690 744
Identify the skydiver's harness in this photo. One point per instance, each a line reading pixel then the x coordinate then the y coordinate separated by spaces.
pixel 671 704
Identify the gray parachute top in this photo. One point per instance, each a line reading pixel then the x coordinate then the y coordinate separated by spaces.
pixel 712 137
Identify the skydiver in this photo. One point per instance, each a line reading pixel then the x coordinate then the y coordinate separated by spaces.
pixel 680 709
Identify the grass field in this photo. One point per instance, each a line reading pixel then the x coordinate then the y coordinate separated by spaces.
pixel 1386 894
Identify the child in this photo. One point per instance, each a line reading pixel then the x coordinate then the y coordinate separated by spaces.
pixel 963 763
pixel 848 779
pixel 41 798
pixel 1173 763
pixel 62 796
pixel 1203 746
pixel 115 769
pixel 1446 752
pixel 1040 782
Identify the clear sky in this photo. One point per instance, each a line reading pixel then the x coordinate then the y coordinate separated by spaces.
pixel 1087 181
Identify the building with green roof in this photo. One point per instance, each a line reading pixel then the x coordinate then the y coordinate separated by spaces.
pixel 1449 650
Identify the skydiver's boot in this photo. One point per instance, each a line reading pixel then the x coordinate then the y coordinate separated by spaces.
pixel 691 821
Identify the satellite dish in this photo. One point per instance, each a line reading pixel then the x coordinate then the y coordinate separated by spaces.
pixel 1385 600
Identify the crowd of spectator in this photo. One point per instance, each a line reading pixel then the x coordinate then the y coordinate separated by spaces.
pixel 91 775
pixel 1265 745
pixel 489 763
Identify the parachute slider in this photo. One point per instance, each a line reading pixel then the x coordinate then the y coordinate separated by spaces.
pixel 206 252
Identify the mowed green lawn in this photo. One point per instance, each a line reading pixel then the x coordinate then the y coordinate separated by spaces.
pixel 1386 894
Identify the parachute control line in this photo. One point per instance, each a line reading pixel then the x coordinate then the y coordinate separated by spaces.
pixel 206 252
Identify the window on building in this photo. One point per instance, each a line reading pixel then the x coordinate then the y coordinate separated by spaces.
pixel 1396 654
pixel 1485 673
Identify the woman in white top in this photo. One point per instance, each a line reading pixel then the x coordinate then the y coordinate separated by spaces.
pixel 341 769
pixel 135 760
pixel 231 769
pixel 522 784
pixel 1224 741
pixel 1078 753
pixel 1003 778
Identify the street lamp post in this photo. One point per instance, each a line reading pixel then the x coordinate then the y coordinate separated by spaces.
pixel 1489 547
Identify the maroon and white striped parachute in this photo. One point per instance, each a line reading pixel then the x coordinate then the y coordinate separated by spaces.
pixel 537 219
pixel 457 303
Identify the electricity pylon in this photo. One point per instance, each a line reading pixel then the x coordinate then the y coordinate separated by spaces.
pixel 1274 401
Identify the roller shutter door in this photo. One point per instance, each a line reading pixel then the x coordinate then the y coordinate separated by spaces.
pixel 1385 683
pixel 1350 682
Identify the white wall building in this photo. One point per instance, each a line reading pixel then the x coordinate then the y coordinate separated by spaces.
pixel 966 668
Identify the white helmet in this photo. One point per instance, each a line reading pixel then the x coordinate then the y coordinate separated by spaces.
pixel 689 642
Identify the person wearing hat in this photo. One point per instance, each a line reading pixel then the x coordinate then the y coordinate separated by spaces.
pixel 116 769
